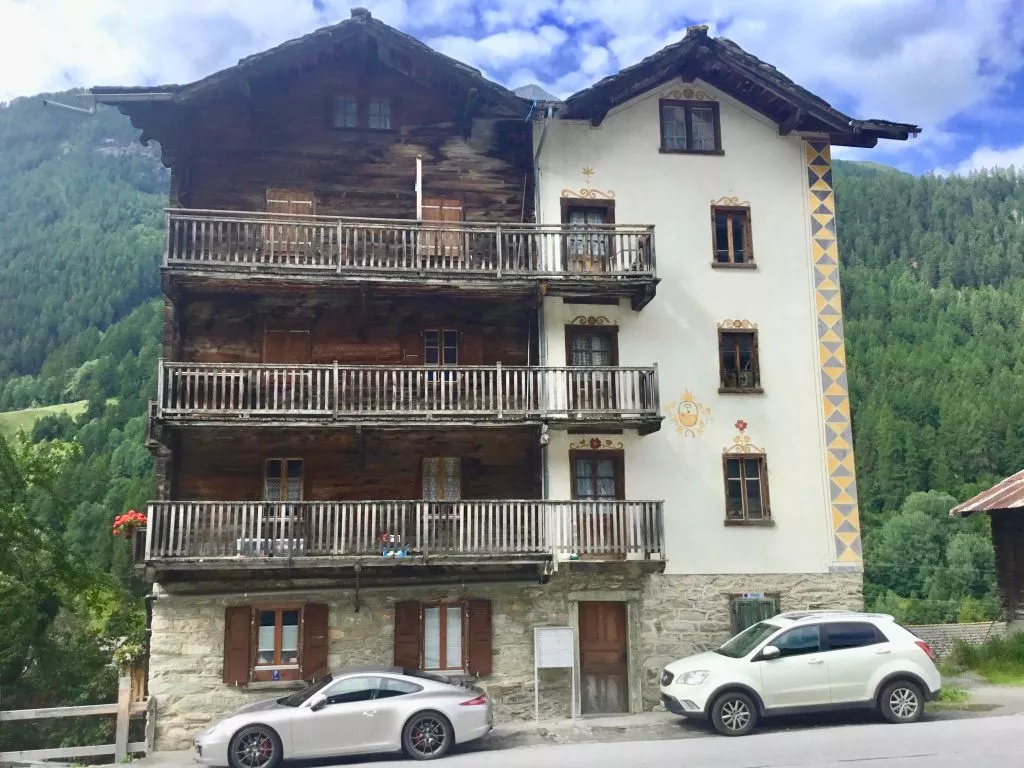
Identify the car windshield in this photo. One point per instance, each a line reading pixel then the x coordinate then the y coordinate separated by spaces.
pixel 748 640
pixel 297 698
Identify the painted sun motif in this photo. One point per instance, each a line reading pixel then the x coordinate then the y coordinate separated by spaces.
pixel 690 417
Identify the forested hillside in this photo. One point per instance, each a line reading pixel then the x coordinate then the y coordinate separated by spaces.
pixel 933 281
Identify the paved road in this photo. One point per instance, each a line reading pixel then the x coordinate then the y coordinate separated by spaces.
pixel 989 742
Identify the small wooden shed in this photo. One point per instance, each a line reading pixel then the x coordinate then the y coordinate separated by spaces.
pixel 1005 503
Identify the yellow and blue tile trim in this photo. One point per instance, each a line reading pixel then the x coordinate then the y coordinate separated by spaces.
pixel 842 481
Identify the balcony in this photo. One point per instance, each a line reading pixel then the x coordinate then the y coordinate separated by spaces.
pixel 610 260
pixel 184 540
pixel 339 395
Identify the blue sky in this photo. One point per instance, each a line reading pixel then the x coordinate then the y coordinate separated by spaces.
pixel 955 67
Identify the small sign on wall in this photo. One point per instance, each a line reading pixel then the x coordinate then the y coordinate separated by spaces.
pixel 554 648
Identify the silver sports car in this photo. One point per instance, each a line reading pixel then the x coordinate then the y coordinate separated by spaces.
pixel 351 712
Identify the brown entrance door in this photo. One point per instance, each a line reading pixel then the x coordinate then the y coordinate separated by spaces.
pixel 604 681
pixel 290 240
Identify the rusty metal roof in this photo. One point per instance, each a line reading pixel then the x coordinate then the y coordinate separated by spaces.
pixel 1006 494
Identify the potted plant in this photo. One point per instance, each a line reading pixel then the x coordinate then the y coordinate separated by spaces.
pixel 126 524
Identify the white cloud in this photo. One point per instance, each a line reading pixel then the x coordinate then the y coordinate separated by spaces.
pixel 987 158
pixel 915 60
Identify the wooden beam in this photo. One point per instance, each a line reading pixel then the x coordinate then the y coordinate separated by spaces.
pixel 787 126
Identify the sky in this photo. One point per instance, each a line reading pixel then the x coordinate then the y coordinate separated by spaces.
pixel 954 67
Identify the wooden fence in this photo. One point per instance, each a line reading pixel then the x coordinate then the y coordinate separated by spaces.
pixel 483 529
pixel 123 710
pixel 286 242
pixel 393 392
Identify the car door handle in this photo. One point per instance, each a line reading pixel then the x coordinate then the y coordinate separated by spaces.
pixel 816 661
pixel 370 713
pixel 883 652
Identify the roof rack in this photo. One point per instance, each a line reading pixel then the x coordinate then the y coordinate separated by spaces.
pixel 826 612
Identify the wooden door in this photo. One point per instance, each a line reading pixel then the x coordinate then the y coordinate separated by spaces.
pixel 589 246
pixel 590 348
pixel 600 531
pixel 444 248
pixel 290 241
pixel 284 388
pixel 604 679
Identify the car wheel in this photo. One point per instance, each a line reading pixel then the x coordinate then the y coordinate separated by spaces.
pixel 427 736
pixel 255 746
pixel 734 714
pixel 901 702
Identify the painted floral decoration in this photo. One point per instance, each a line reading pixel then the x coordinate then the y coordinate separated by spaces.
pixel 128 522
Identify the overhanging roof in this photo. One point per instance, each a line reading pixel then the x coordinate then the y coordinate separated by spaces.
pixel 724 65
pixel 1004 495
pixel 313 49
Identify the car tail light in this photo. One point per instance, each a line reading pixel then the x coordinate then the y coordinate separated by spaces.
pixel 924 647
pixel 479 701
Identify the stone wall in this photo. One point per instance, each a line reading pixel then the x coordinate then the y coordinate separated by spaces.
pixel 942 637
pixel 670 616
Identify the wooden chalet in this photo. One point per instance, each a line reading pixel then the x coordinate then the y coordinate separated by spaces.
pixel 1004 503
pixel 353 282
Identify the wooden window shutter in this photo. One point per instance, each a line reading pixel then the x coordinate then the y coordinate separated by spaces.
pixel 237 644
pixel 408 635
pixel 479 644
pixel 314 640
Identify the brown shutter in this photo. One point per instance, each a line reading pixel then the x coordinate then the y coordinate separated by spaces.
pixel 412 346
pixel 237 644
pixel 408 635
pixel 314 640
pixel 479 650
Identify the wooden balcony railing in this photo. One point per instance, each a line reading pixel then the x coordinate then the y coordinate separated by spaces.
pixel 214 530
pixel 196 390
pixel 249 241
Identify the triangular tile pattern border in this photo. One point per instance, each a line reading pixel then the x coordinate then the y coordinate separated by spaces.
pixel 843 515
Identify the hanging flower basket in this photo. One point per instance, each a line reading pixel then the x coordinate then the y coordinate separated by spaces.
pixel 126 524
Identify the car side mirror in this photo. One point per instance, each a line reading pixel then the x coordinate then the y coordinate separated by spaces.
pixel 319 704
pixel 770 652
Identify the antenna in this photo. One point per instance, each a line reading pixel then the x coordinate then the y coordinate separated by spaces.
pixel 70 107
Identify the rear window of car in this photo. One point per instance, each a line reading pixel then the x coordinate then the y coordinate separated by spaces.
pixel 392 687
pixel 843 635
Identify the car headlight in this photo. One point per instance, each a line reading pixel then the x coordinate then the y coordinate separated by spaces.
pixel 697 677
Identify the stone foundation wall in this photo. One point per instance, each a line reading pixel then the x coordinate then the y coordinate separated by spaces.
pixel 670 616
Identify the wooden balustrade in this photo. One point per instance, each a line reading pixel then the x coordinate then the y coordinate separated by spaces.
pixel 250 241
pixel 215 530
pixel 392 392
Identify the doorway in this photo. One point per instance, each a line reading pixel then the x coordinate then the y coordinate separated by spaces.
pixel 604 658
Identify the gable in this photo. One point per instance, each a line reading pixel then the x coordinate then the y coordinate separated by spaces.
pixel 727 67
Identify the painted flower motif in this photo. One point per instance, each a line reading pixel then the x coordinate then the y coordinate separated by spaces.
pixel 595 443
pixel 128 522
pixel 741 425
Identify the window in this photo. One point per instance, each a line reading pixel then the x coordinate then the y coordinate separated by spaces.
pixel 597 475
pixel 442 478
pixel 731 235
pixel 799 641
pixel 283 480
pixel 746 489
pixel 390 687
pixel 690 126
pixel 264 643
pixel 739 366
pixel 277 641
pixel 346 112
pixel 840 636
pixel 748 611
pixel 441 347
pixel 591 348
pixel 351 689
pixel 444 637
pixel 380 115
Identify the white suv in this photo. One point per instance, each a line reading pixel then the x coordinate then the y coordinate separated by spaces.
pixel 803 662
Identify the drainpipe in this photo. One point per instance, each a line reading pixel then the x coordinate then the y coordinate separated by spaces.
pixel 419 188
pixel 542 346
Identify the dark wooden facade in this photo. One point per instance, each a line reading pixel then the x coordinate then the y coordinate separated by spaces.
pixel 1008 540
